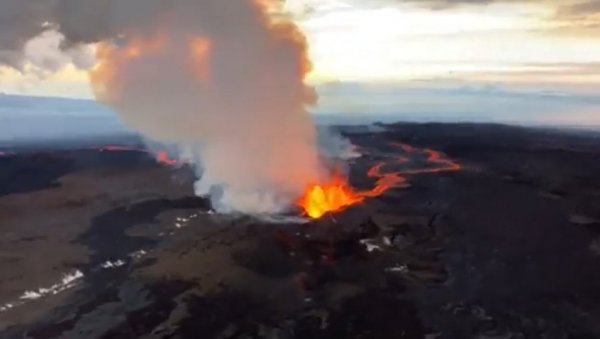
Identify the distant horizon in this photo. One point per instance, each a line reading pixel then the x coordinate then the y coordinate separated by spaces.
pixel 37 105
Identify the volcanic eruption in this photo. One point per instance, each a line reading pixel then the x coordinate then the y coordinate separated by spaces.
pixel 223 80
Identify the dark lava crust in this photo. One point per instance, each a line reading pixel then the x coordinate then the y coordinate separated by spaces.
pixel 508 247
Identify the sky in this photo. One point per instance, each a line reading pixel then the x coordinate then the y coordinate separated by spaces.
pixel 427 56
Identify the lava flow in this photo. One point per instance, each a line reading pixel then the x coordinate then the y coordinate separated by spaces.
pixel 337 194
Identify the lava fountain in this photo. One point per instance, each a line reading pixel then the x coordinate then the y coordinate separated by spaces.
pixel 334 195
pixel 337 193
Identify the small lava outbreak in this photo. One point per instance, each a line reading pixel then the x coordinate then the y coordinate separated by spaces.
pixel 337 194
pixel 161 156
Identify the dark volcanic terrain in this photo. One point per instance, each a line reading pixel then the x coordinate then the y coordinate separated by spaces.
pixel 110 244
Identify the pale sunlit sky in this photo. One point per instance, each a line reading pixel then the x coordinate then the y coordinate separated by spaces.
pixel 523 45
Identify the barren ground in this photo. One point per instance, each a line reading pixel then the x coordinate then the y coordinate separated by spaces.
pixel 508 247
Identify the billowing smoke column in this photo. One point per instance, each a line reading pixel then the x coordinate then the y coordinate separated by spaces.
pixel 222 78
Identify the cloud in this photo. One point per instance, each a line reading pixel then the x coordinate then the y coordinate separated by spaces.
pixel 586 8
pixel 79 22
pixel 564 7
pixel 449 4
pixel 575 18
pixel 443 4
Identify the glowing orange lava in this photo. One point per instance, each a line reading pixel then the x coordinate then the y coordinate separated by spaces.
pixel 332 196
pixel 163 158
pixel 337 194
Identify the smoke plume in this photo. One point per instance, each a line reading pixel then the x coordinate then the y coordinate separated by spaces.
pixel 224 79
